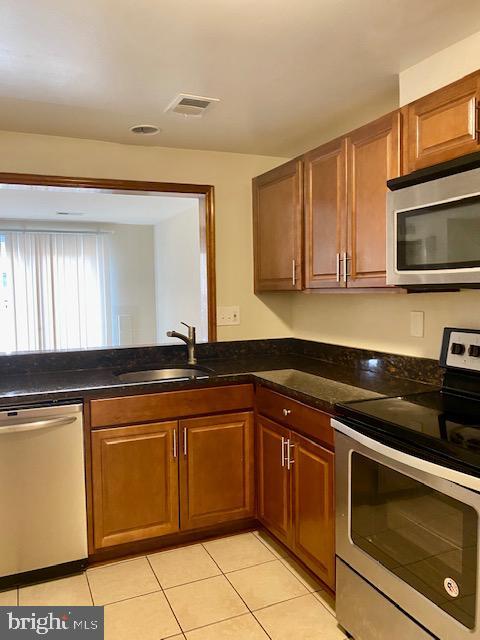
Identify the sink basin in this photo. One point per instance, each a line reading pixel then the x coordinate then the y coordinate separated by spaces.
pixel 157 375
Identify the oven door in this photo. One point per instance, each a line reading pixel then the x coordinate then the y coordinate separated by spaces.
pixel 410 532
pixel 433 232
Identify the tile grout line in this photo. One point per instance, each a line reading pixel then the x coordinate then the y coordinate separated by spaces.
pixel 89 588
pixel 139 595
pixel 212 624
pixel 165 596
pixel 248 608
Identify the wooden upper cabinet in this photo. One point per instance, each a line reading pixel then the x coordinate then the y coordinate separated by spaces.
pixel 277 228
pixel 373 154
pixel 273 480
pixel 313 507
pixel 444 124
pixel 135 483
pixel 325 214
pixel 216 469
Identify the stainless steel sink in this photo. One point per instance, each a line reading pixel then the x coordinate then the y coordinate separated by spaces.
pixel 157 375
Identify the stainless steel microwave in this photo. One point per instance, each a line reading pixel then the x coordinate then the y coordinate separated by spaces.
pixel 433 229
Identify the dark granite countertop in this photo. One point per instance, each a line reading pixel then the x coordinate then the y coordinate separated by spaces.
pixel 312 380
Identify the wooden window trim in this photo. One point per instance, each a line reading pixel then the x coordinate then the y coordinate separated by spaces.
pixel 207 215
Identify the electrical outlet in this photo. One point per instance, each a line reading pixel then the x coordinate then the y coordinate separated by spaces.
pixel 417 324
pixel 228 316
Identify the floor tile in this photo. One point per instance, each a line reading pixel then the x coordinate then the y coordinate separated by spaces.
pixel 327 600
pixel 184 565
pixel 205 602
pixel 299 572
pixel 241 628
pixel 238 552
pixel 302 618
pixel 72 591
pixel 143 618
pixel 271 544
pixel 8 598
pixel 121 581
pixel 266 584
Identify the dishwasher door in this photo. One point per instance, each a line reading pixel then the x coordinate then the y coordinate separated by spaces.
pixel 42 488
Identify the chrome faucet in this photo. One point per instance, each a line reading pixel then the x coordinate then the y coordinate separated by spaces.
pixel 189 341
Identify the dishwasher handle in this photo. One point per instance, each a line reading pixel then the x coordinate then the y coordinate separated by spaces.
pixel 36 425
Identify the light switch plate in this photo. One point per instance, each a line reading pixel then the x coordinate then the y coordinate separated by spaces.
pixel 228 316
pixel 417 324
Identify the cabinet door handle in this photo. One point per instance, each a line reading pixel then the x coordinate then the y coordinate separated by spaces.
pixel 290 461
pixel 346 273
pixel 175 442
pixel 338 267
pixel 184 441
pixel 294 272
pixel 286 412
pixel 283 451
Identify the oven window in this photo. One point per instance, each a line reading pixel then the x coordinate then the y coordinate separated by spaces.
pixel 443 236
pixel 425 537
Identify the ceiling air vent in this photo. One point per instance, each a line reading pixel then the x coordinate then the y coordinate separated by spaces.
pixel 191 106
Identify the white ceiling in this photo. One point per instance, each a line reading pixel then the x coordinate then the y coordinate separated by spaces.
pixel 114 208
pixel 283 70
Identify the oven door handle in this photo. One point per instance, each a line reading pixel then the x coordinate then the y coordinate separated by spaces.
pixel 417 463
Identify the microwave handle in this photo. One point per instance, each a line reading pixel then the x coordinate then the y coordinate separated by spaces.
pixel 414 462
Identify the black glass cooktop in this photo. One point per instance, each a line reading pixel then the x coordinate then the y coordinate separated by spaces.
pixel 438 423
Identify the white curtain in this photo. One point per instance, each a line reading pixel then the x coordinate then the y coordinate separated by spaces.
pixel 53 290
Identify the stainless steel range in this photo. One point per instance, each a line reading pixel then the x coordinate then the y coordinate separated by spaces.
pixel 408 505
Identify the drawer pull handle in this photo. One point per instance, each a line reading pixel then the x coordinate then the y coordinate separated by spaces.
pixel 284 442
pixel 184 441
pixel 287 412
pixel 175 443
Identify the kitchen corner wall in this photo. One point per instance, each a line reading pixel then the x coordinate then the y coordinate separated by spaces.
pixel 231 175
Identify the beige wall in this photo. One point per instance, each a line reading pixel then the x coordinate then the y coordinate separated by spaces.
pixel 382 320
pixel 230 174
pixel 443 67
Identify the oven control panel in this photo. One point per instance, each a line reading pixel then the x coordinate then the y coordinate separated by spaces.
pixel 461 349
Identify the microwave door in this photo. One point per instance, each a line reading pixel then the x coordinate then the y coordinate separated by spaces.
pixel 433 234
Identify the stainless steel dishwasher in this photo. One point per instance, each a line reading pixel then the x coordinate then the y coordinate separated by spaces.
pixel 43 522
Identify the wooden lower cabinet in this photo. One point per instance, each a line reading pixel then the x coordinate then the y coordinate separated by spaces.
pixel 135 483
pixel 216 469
pixel 313 507
pixel 273 485
pixel 296 499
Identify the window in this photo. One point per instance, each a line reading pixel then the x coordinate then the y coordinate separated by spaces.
pixel 53 290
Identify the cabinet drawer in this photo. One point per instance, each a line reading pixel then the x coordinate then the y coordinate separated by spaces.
pixel 170 404
pixel 298 416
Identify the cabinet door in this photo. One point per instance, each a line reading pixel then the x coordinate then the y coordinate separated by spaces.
pixel 135 483
pixel 373 158
pixel 325 215
pixel 216 469
pixel 277 228
pixel 443 125
pixel 313 507
pixel 273 479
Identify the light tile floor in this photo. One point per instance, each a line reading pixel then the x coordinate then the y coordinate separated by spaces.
pixel 242 587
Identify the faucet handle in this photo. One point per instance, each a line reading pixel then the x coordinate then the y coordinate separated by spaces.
pixel 191 330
